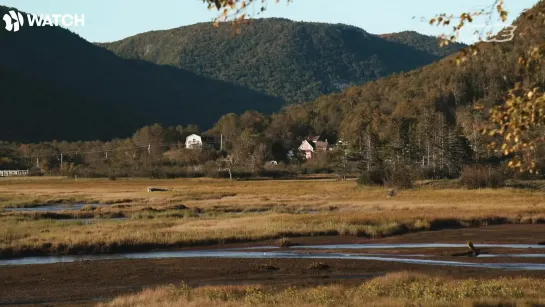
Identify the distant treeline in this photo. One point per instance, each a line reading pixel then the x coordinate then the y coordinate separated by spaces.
pixel 429 147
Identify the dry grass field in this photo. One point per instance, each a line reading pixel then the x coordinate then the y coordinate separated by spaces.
pixel 208 211
pixel 121 216
pixel 394 289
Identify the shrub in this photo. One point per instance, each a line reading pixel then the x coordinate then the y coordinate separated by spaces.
pixel 479 177
pixel 284 242
pixel 372 177
pixel 35 172
pixel 436 173
pixel 401 177
pixel 88 208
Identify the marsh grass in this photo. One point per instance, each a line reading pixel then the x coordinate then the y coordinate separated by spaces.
pixel 284 242
pixel 30 202
pixel 394 289
pixel 24 237
pixel 252 211
pixel 166 214
pixel 204 195
pixel 88 208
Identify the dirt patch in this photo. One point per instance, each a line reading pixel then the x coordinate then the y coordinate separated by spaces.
pixel 511 233
pixel 107 279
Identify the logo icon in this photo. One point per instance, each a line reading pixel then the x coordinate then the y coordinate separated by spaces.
pixel 13 21
pixel 489 33
pixel 504 35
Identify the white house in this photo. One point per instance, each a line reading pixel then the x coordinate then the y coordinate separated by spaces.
pixel 193 141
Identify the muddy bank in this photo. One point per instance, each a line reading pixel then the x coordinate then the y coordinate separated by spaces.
pixel 46 285
pixel 107 279
pixel 509 233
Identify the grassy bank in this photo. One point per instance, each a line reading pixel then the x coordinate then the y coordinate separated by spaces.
pixel 395 289
pixel 42 237
pixel 199 212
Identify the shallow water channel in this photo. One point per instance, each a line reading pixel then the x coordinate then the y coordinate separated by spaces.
pixel 270 254
pixel 415 245
pixel 51 208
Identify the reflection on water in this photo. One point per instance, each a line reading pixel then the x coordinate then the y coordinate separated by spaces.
pixel 269 255
pixel 416 245
pixel 51 208
pixel 511 256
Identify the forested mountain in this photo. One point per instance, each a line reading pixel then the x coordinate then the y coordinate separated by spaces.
pixel 423 121
pixel 297 61
pixel 56 85
pixel 424 117
pixel 425 43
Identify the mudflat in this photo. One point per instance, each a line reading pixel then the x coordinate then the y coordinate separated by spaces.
pixel 85 283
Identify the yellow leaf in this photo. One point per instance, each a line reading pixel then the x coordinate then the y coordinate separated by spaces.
pixel 503 15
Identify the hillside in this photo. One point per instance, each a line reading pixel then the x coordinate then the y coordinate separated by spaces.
pixel 56 85
pixel 425 43
pixel 296 61
pixel 424 117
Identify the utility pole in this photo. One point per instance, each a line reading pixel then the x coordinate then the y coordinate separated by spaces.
pixel 37 162
pixel 221 142
pixel 61 162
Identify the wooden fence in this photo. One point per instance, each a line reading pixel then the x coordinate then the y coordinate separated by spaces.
pixel 13 173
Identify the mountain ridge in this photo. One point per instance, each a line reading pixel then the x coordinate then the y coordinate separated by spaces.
pixel 422 42
pixel 426 104
pixel 65 76
pixel 84 91
pixel 296 61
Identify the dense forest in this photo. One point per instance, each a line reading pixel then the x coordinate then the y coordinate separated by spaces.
pixel 56 85
pixel 296 61
pixel 425 43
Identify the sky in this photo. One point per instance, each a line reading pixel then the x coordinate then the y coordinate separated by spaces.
pixel 111 20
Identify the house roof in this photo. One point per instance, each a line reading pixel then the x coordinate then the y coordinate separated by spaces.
pixel 311 144
pixel 321 145
pixel 193 135
pixel 314 138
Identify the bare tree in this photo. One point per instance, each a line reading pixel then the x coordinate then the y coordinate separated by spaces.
pixel 228 164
